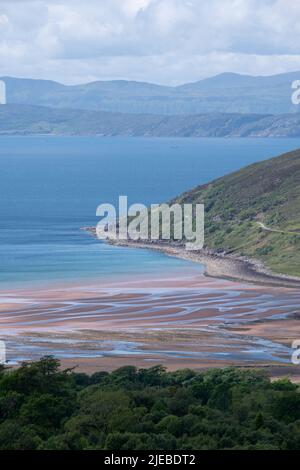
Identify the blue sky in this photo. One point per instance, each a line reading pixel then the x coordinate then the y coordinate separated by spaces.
pixel 161 41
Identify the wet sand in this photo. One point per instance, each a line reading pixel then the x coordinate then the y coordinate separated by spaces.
pixel 179 321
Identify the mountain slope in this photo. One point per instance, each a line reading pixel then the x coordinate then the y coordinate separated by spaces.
pixel 26 119
pixel 224 93
pixel 256 212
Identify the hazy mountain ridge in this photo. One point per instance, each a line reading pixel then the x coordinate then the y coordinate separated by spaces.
pixel 225 93
pixel 25 119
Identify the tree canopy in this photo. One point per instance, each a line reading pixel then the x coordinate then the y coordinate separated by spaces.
pixel 46 408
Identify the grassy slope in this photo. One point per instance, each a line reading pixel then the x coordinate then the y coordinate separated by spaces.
pixel 268 192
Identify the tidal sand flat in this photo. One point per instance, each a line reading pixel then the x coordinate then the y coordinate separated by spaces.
pixel 178 321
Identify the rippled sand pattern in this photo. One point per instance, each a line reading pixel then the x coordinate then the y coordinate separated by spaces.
pixel 195 321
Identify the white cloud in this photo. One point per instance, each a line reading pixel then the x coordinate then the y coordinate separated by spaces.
pixel 165 41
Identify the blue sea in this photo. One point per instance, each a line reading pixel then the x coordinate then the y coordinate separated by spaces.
pixel 50 188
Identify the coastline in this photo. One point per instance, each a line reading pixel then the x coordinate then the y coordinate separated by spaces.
pixel 218 265
pixel 179 321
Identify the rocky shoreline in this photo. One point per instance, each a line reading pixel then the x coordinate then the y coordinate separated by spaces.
pixel 219 265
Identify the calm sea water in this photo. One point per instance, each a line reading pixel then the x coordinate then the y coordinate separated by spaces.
pixel 50 188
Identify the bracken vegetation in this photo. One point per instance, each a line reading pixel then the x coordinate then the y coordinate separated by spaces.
pixel 43 407
pixel 263 193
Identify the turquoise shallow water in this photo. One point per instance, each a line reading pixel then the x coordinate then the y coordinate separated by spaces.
pixel 50 188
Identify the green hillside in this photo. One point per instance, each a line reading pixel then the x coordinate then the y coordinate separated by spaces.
pixel 256 212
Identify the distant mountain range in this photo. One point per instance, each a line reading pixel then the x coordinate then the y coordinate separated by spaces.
pixel 18 119
pixel 225 93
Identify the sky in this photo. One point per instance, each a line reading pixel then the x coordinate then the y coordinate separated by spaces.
pixel 161 41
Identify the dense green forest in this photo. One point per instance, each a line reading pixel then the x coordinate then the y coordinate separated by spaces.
pixel 43 407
